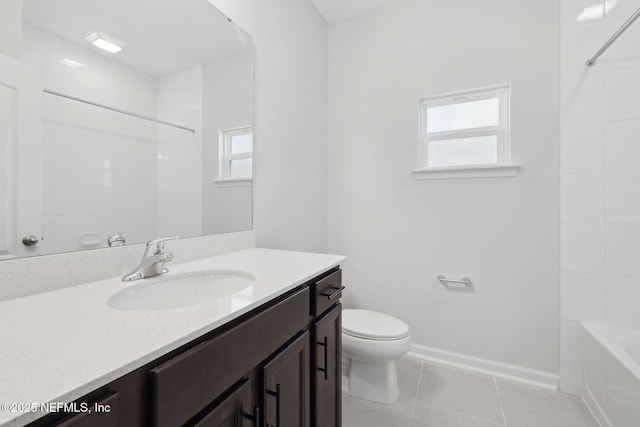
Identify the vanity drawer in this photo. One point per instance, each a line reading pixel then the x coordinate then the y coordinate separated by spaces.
pixel 326 292
pixel 186 384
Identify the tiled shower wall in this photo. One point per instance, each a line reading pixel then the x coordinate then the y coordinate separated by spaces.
pixel 99 176
pixel 105 171
pixel 600 174
pixel 99 166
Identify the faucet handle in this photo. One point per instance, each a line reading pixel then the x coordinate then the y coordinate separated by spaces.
pixel 157 245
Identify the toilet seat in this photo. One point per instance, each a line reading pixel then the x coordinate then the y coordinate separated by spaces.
pixel 371 325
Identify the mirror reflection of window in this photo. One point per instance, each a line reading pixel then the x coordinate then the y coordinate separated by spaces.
pixel 236 153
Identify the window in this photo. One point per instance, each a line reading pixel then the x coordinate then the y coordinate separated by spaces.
pixel 236 154
pixel 465 130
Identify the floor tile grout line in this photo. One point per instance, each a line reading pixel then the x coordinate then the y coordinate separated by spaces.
pixel 448 409
pixel 504 419
pixel 459 412
pixel 415 395
pixel 418 405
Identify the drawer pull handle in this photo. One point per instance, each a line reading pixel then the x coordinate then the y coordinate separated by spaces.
pixel 254 418
pixel 276 394
pixel 325 370
pixel 337 293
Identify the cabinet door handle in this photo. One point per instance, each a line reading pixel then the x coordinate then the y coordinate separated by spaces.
pixel 335 294
pixel 276 394
pixel 254 418
pixel 324 344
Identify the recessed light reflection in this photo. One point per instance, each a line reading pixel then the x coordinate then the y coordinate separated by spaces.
pixel 70 63
pixel 598 11
pixel 105 42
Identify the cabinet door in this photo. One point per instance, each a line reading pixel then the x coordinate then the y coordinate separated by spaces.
pixel 237 410
pixel 328 366
pixel 286 388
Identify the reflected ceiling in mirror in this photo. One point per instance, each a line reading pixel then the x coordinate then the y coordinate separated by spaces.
pixel 159 37
pixel 131 99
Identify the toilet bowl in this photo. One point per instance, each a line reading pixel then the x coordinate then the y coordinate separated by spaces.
pixel 371 343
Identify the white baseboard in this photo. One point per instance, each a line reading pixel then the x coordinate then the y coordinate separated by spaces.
pixel 506 371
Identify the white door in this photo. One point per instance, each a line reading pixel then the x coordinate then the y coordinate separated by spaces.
pixel 20 157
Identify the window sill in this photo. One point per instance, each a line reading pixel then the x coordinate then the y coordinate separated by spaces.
pixel 236 182
pixel 475 171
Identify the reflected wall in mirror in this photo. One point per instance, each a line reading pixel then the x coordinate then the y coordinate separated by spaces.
pixel 124 120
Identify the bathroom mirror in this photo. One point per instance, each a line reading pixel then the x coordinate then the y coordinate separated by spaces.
pixel 124 120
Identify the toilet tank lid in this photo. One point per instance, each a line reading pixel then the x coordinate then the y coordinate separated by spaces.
pixel 373 325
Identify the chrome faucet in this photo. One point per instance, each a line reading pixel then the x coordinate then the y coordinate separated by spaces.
pixel 153 260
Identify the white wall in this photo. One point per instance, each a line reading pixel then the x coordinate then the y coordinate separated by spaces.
pixel 290 140
pixel 227 103
pixel 399 233
pixel 179 164
pixel 600 178
pixel 11 28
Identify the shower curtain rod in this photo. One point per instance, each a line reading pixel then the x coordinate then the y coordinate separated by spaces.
pixel 613 38
pixel 117 110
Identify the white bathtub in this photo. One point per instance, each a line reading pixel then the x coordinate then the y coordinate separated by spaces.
pixel 611 374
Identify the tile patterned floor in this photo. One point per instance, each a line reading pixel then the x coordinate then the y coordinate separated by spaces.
pixel 438 396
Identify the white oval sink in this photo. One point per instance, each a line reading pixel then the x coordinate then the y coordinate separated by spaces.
pixel 181 290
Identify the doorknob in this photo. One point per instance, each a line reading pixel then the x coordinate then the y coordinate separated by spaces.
pixel 30 240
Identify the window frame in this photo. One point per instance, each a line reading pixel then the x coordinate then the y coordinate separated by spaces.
pixel 502 131
pixel 226 157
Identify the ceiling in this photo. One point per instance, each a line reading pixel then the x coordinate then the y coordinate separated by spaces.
pixel 163 36
pixel 337 10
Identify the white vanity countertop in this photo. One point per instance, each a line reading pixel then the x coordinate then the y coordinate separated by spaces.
pixel 60 345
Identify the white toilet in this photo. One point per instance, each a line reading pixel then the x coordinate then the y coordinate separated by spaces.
pixel 371 343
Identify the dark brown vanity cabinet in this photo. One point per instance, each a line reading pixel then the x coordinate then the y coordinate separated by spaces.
pixel 328 375
pixel 286 387
pixel 238 409
pixel 93 417
pixel 184 385
pixel 327 354
pixel 276 366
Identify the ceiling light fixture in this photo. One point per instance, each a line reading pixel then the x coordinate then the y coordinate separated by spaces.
pixel 70 63
pixel 105 42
